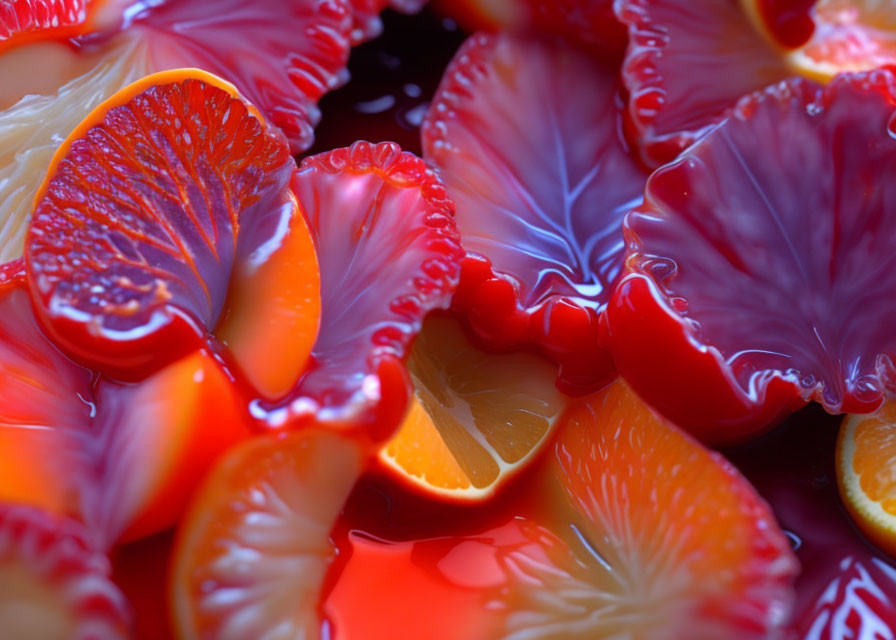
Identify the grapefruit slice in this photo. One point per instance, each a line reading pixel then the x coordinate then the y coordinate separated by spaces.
pixel 476 420
pixel 389 253
pixel 866 459
pixel 850 35
pixel 53 585
pixel 607 552
pixel 148 206
pixel 252 553
pixel 755 257
pixel 543 237
pixel 687 63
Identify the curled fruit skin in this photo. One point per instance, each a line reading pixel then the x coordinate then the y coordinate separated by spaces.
pixel 389 252
pixel 784 215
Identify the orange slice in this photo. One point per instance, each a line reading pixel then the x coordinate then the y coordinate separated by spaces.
pixel 162 193
pixel 476 419
pixel 252 553
pixel 850 35
pixel 866 473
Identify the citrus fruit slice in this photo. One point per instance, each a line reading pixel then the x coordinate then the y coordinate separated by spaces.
pixel 389 253
pixel 23 21
pixel 608 551
pixel 122 458
pixel 148 207
pixel 866 473
pixel 850 35
pixel 687 63
pixel 32 127
pixel 252 553
pixel 544 236
pixel 53 585
pixel 252 44
pixel 748 268
pixel 476 418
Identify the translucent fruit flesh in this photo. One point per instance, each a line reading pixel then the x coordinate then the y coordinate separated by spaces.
pixel 476 418
pixel 778 216
pixel 199 188
pixel 253 550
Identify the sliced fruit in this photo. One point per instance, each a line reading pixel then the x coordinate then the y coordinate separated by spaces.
pixel 786 254
pixel 476 418
pixel 282 55
pixel 45 403
pixel 53 585
pixel 850 35
pixel 251 554
pixel 649 535
pixel 148 206
pixel 687 63
pixel 158 440
pixel 33 126
pixel 274 311
pixel 123 458
pixel 389 253
pixel 866 473
pixel 544 237
pixel 23 21
pixel 591 23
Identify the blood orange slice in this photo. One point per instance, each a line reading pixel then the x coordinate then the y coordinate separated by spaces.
pixel 850 35
pixel 476 420
pixel 389 253
pixel 252 553
pixel 687 63
pixel 23 21
pixel 614 554
pixel 148 206
pixel 544 236
pixel 748 266
pixel 53 585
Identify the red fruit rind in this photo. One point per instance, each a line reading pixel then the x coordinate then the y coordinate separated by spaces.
pixel 55 553
pixel 136 229
pixel 781 248
pixel 389 252
pixel 543 238
pixel 686 64
pixel 282 55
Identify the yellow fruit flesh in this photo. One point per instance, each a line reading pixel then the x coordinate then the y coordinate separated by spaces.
pixel 476 417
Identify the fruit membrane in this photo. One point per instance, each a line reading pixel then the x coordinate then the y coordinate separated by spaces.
pixel 758 270
pixel 531 154
pixel 389 252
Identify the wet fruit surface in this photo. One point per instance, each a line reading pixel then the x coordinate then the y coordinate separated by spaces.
pixel 544 235
pixel 476 419
pixel 611 552
pixel 765 306
pixel 163 229
pixel 252 553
